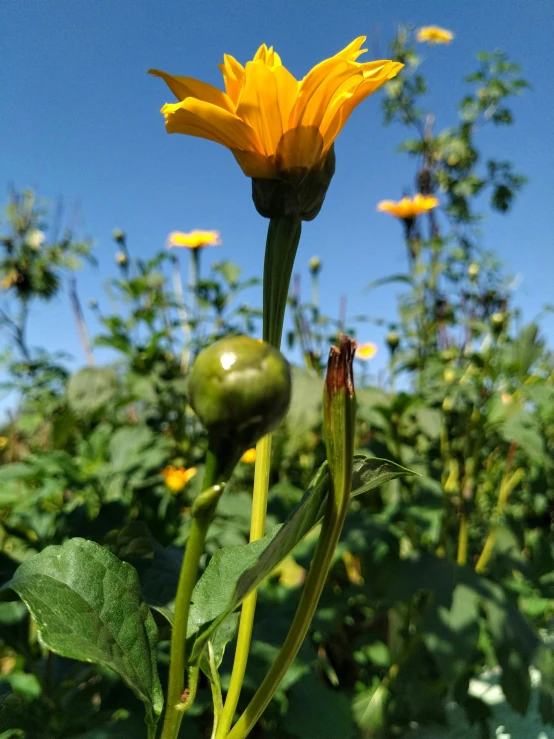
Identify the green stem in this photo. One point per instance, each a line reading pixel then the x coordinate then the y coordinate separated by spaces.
pixel 339 410
pixel 176 701
pixel 283 237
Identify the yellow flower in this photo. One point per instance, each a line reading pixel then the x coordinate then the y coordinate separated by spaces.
pixel 506 398
pixel 408 208
pixel 176 478
pixel 4 441
pixel 366 351
pixel 249 456
pixel 194 239
pixel 434 35
pixel 9 280
pixel 271 122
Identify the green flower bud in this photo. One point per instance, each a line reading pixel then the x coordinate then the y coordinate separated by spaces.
pixel 473 270
pixel 298 192
pixel 121 258
pixel 393 340
pixel 240 389
pixel 497 321
pixel 119 236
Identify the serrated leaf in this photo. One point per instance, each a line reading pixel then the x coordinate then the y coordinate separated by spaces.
pixel 87 606
pixel 233 572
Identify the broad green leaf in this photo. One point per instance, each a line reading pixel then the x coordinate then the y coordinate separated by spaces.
pixel 545 664
pixel 233 572
pixel 514 644
pixel 369 709
pixel 91 388
pixel 330 714
pixel 87 606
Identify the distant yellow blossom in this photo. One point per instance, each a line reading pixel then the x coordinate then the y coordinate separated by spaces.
pixel 434 35
pixel 194 239
pixel 408 208
pixel 506 398
pixel 271 122
pixel 3 442
pixel 176 478
pixel 366 351
pixel 9 280
pixel 249 456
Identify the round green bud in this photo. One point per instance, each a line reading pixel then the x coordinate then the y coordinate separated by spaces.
pixel 498 320
pixel 121 258
pixel 240 389
pixel 473 270
pixel 393 340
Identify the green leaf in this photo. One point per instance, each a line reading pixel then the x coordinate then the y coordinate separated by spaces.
pixel 233 572
pixel 369 709
pixel 87 606
pixel 387 281
pixel 514 644
pixel 545 665
pixel 330 717
pixel 222 636
pixel 15 714
pixel 91 388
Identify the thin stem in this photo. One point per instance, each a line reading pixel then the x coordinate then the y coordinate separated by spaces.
pixel 216 689
pixel 176 699
pixel 507 486
pixel 283 237
pixel 462 539
pixel 257 529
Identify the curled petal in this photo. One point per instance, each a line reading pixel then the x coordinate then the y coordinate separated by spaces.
pixel 185 87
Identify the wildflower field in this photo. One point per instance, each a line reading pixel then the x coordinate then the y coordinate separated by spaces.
pixel 221 520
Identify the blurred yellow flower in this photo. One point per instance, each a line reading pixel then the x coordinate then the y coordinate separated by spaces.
pixel 176 478
pixel 3 442
pixel 249 456
pixel 506 398
pixel 270 121
pixel 434 35
pixel 366 351
pixel 8 280
pixel 408 208
pixel 194 239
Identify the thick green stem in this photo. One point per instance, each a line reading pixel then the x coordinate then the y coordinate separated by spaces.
pixel 283 236
pixel 176 698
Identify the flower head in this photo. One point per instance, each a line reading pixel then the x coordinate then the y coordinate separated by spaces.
pixel 249 456
pixel 408 208
pixel 10 279
pixel 121 258
pixel 176 478
pixel 276 126
pixel 35 239
pixel 434 35
pixel 194 239
pixel 366 351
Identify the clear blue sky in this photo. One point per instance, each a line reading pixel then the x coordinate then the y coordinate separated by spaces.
pixel 79 117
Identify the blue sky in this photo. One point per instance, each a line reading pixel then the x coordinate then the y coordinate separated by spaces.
pixel 79 117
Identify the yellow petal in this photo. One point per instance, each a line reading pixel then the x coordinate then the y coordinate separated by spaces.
pixel 256 165
pixel 184 87
pixel 233 76
pixel 266 101
pixel 197 118
pixel 375 74
pixel 299 148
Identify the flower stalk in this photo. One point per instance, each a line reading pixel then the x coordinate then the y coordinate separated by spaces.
pixel 339 419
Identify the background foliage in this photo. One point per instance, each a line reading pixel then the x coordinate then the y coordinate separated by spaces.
pixel 437 578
